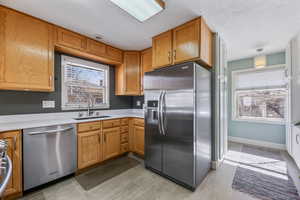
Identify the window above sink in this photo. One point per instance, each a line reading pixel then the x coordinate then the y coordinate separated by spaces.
pixel 83 81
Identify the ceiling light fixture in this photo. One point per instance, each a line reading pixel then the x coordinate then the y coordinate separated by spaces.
pixel 141 9
pixel 260 61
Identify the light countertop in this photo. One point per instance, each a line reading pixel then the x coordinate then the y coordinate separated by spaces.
pixel 18 122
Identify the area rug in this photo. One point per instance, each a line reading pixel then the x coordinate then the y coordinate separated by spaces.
pixel 104 172
pixel 262 173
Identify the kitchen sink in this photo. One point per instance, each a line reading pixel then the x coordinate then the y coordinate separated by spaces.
pixel 91 117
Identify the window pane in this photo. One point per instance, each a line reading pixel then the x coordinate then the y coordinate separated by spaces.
pixel 260 79
pixel 80 95
pixel 85 77
pixel 261 104
pixel 83 83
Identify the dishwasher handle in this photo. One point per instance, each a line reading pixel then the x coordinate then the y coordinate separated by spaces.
pixel 50 131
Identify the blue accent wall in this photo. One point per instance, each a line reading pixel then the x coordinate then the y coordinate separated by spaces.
pixel 274 133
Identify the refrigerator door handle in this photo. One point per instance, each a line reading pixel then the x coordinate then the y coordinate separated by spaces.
pixel 159 113
pixel 163 113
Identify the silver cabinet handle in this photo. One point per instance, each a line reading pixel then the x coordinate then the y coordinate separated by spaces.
pixel 7 176
pixel 50 131
pixel 297 139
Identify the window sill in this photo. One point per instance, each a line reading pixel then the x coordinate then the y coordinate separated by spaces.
pixel 259 121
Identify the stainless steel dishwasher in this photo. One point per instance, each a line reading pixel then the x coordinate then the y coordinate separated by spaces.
pixel 49 153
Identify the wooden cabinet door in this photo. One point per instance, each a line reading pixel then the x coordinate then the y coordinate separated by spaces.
pixel 89 148
pixel 132 73
pixel 114 54
pixel 26 55
pixel 162 50
pixel 146 65
pixel 206 44
pixel 111 146
pixel 96 48
pixel 15 153
pixel 139 139
pixel 186 41
pixel 70 39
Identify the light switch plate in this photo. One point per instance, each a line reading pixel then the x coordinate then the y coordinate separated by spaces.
pixel 48 104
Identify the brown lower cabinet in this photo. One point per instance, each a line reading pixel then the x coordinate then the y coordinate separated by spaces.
pixel 14 151
pixel 89 148
pixel 111 145
pixel 139 139
pixel 138 136
pixel 103 140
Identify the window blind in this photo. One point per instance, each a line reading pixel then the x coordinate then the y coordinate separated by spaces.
pixel 260 79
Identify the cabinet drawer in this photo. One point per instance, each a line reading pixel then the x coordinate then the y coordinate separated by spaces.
pixel 111 123
pixel 124 121
pixel 124 137
pixel 124 129
pixel 124 147
pixel 139 122
pixel 89 126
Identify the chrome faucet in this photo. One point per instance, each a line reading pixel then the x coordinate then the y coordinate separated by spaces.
pixel 90 105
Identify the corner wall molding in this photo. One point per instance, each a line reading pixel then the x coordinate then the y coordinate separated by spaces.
pixel 257 143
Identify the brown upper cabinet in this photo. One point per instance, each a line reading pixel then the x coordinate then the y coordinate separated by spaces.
pixel 115 54
pixel 146 65
pixel 96 48
pixel 191 41
pixel 26 55
pixel 128 74
pixel 132 73
pixel 162 50
pixel 87 47
pixel 70 39
pixel 186 42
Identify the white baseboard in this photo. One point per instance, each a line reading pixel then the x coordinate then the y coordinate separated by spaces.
pixel 257 143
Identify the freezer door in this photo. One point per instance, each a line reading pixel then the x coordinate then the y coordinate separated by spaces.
pixel 178 130
pixel 153 135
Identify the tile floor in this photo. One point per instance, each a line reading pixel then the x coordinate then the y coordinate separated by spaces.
pixel 141 184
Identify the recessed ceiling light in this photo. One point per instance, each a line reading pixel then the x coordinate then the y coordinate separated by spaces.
pixel 141 9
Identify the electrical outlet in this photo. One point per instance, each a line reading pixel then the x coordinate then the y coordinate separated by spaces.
pixel 138 103
pixel 48 104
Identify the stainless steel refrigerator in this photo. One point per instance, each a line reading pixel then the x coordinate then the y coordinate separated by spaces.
pixel 178 123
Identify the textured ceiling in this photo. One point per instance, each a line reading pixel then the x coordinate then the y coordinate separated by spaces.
pixel 244 24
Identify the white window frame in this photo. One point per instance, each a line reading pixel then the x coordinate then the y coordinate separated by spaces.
pixel 65 60
pixel 233 96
